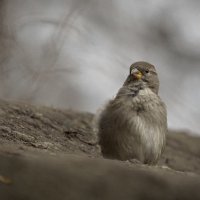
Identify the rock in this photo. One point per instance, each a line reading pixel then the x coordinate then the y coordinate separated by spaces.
pixel 48 153
pixel 41 176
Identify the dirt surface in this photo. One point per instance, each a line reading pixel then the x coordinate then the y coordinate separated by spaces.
pixel 47 153
pixel 41 128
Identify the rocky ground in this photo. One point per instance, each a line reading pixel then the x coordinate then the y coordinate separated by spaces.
pixel 46 153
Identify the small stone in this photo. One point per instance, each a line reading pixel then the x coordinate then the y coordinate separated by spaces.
pixel 37 115
pixel 5 180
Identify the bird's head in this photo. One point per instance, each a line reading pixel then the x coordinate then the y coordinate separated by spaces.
pixel 146 74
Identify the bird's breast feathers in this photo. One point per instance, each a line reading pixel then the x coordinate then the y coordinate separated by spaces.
pixel 150 121
pixel 146 92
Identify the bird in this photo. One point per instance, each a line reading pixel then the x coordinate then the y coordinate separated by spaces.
pixel 133 125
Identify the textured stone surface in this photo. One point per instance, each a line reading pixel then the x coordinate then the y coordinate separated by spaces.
pixel 47 153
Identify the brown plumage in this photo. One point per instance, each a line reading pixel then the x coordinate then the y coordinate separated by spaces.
pixel 134 124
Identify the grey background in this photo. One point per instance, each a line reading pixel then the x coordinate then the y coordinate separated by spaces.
pixel 76 54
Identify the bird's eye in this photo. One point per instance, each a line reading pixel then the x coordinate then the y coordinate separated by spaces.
pixel 146 71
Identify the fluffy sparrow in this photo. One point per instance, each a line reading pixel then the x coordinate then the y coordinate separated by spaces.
pixel 134 124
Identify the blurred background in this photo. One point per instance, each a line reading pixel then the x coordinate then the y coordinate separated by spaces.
pixel 76 53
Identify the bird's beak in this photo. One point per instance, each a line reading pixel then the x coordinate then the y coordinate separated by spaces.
pixel 136 74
